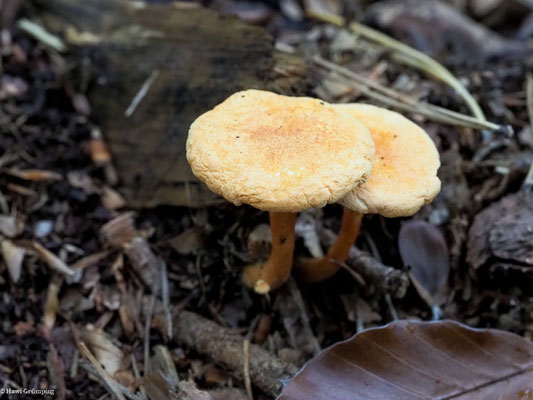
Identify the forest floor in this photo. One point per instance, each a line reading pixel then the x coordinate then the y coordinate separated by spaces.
pixel 62 278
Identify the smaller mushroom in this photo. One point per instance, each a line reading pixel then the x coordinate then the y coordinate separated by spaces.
pixel 403 179
pixel 279 154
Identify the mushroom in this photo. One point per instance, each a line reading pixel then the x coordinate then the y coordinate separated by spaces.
pixel 282 155
pixel 404 178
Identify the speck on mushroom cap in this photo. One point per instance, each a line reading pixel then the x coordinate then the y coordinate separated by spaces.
pixel 279 153
pixel 404 173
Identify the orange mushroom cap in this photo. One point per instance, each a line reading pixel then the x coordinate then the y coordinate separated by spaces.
pixel 279 153
pixel 404 172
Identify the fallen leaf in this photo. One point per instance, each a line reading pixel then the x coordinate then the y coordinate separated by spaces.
pixel 10 226
pixel 259 242
pixel 52 260
pixel 109 355
pixel 111 199
pixel 503 231
pixel 419 360
pixel 22 190
pixel 439 29
pixel 56 371
pixel 35 175
pixel 11 86
pixel 99 151
pixel 162 362
pixel 13 256
pixel 319 7
pixel 52 303
pixel 23 328
pixel 423 249
pixel 188 242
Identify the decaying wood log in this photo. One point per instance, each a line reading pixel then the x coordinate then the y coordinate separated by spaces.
pixel 227 348
pixel 156 69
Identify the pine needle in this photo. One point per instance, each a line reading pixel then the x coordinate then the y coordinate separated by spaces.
pixel 408 56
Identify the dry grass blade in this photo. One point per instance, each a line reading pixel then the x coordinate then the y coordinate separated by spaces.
pixel 528 183
pixel 409 56
pixel 41 34
pixel 392 98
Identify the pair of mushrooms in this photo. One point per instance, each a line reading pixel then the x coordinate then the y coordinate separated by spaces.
pixel 288 154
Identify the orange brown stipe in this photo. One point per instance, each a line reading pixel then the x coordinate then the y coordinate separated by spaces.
pixel 313 270
pixel 273 273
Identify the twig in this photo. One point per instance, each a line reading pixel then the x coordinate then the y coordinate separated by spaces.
pixel 226 348
pixel 147 326
pixel 246 368
pixel 141 93
pixel 304 317
pixel 409 56
pixel 384 278
pixel 528 183
pixel 165 295
pixel 392 98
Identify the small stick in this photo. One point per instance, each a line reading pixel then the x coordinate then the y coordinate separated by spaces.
pixel 147 327
pixel 246 369
pixel 528 183
pixel 225 347
pixel 385 278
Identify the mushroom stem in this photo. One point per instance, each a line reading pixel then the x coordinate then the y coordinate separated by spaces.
pixel 266 276
pixel 312 270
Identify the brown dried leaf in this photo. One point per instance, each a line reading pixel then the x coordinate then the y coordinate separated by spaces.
pixel 11 86
pixel 13 256
pixel 90 260
pixel 109 355
pixel 52 303
pixel 119 230
pixel 423 249
pixel 419 360
pixel 503 230
pixel 56 371
pixel 99 152
pixel 52 260
pixel 35 175
pixel 162 362
pixel 22 190
pixel 438 29
pixel 111 199
pixel 188 242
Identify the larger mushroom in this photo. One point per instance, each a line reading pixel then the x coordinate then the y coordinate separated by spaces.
pixel 404 178
pixel 278 154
